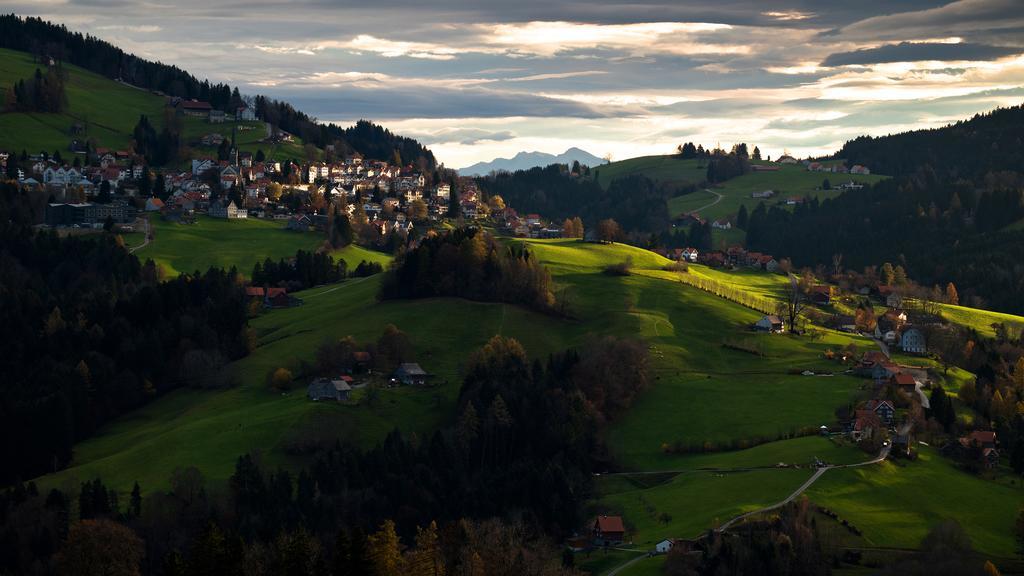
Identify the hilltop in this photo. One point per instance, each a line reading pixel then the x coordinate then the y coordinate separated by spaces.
pixel 526 160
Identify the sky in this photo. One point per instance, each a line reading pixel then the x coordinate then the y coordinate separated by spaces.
pixel 476 80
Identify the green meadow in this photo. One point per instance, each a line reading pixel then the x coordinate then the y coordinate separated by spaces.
pixel 185 248
pixel 669 169
pixel 980 320
pixel 789 180
pixel 109 109
pixel 895 505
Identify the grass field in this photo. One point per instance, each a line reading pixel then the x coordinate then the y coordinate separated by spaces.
pixel 660 168
pixel 109 109
pixel 980 320
pixel 690 503
pixel 896 505
pixel 248 138
pixel 185 248
pixel 789 180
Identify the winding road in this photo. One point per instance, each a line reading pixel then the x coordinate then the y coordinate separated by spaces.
pixel 882 455
pixel 706 206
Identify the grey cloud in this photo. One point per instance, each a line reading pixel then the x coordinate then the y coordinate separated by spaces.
pixel 914 52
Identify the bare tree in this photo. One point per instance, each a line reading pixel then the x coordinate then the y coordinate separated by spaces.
pixel 794 305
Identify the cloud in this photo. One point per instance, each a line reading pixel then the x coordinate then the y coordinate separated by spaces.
pixel 919 52
pixel 789 15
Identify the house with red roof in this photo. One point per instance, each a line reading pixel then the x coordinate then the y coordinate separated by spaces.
pixel 609 531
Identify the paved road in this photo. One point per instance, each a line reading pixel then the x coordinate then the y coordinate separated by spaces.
pixel 803 487
pixel 706 206
pixel 145 237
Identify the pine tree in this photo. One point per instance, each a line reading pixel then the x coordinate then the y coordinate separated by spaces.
pixel 741 216
pixel 951 294
pixel 135 504
pixel 382 547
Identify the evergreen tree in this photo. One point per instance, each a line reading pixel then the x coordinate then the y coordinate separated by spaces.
pixel 741 217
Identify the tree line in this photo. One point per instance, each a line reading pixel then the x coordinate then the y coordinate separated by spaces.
pixel 306 270
pixel 636 202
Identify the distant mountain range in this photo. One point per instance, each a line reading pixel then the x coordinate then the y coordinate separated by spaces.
pixel 526 160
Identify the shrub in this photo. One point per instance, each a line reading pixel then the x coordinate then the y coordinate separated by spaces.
pixel 621 269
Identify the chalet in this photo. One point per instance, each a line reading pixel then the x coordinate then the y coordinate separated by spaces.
pixel 983 441
pixel 194 108
pixel 858 169
pixel 217 117
pixel 903 382
pixel 722 225
pixel 771 324
pixel 328 389
pixel 786 159
pixel 768 263
pixel 865 424
pixel 762 194
pixel 609 531
pixel 227 209
pixel 912 341
pixel 884 409
pixel 410 374
pixel 690 254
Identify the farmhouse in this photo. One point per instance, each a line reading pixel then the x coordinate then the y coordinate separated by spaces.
pixel 786 159
pixel 903 382
pixel 762 194
pixel 664 546
pixel 194 108
pixel 912 341
pixel 984 442
pixel 772 324
pixel 884 409
pixel 864 425
pixel 327 389
pixel 722 225
pixel 410 374
pixel 608 531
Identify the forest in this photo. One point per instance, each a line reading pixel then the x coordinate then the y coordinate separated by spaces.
pixel 97 334
pixel 469 263
pixel 637 203
pixel 947 221
pixel 487 494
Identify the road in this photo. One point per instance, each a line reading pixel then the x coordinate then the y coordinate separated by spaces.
pixel 706 206
pixel 882 455
pixel 145 237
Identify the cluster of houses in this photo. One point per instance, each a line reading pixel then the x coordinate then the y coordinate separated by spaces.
pixel 832 167
pixel 338 388
pixel 979 445
pixel 737 257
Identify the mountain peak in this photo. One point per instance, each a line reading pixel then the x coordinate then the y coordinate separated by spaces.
pixel 524 160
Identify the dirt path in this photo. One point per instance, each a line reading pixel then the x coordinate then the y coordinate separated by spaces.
pixel 145 238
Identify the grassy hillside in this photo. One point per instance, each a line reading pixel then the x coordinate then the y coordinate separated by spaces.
pixel 980 320
pixel 180 248
pixel 248 137
pixel 895 505
pixel 702 392
pixel 660 168
pixel 789 180
pixel 109 109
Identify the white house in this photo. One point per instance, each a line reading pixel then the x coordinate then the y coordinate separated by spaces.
pixel 772 324
pixel 664 546
pixel 444 191
pixel 722 224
